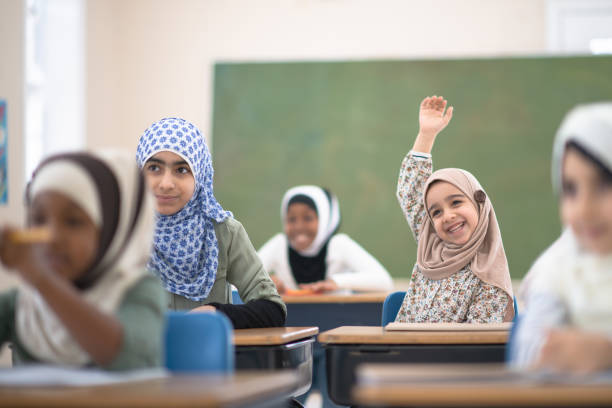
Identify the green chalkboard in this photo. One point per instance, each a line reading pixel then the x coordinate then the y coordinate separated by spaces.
pixel 347 126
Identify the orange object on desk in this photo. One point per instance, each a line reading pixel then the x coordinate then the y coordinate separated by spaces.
pixel 299 292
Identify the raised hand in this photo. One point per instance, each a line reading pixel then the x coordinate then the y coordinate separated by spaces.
pixel 432 120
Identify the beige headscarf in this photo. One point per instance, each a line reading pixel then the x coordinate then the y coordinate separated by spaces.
pixel 110 188
pixel 484 251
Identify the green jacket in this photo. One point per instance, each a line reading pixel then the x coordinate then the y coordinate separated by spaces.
pixel 142 314
pixel 239 265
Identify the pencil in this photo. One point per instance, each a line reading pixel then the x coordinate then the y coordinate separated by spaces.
pixel 30 236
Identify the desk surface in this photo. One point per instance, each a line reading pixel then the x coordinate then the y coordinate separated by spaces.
pixel 468 385
pixel 374 297
pixel 272 336
pixel 240 389
pixel 378 335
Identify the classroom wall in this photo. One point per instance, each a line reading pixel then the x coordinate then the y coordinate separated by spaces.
pixel 152 58
pixel 12 90
pixel 12 30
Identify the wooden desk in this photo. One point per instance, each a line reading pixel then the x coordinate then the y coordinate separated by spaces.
pixel 277 348
pixel 239 390
pixel 348 346
pixel 378 335
pixel 273 335
pixel 458 385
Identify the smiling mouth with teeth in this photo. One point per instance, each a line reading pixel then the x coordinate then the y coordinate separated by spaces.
pixel 457 227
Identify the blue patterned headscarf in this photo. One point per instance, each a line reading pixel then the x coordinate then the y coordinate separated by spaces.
pixel 185 249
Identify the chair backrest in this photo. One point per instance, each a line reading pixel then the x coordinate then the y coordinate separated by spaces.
pixel 198 342
pixel 516 312
pixel 511 345
pixel 236 299
pixel 392 304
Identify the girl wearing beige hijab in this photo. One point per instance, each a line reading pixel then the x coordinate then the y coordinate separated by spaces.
pixel 461 274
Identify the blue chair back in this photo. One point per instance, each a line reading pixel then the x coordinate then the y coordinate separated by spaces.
pixel 236 299
pixel 198 342
pixel 511 345
pixel 515 310
pixel 392 304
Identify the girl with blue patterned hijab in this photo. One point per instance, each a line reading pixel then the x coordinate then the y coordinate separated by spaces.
pixel 199 248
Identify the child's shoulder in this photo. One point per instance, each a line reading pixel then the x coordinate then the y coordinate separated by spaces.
pixel 229 226
pixel 342 240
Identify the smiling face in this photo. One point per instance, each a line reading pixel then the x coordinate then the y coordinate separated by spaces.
pixel 586 202
pixel 454 216
pixel 171 180
pixel 301 225
pixel 74 236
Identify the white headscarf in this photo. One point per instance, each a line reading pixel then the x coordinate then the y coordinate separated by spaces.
pixel 583 281
pixel 328 212
pixel 109 187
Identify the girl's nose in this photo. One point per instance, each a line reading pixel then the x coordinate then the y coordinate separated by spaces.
pixel 166 182
pixel 449 216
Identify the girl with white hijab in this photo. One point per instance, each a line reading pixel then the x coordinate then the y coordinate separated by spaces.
pixel 311 256
pixel 567 325
pixel 85 297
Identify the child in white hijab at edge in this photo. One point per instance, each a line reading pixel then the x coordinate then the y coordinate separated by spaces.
pixel 567 324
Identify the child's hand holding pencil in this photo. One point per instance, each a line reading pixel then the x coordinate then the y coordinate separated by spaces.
pixel 16 245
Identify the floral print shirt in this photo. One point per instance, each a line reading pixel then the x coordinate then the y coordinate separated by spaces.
pixel 462 297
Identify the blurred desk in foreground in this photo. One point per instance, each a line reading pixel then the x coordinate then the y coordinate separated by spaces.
pixel 347 347
pixel 472 385
pixel 277 348
pixel 254 389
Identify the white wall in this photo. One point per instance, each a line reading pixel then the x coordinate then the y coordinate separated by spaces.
pixel 153 58
pixel 12 29
pixel 12 90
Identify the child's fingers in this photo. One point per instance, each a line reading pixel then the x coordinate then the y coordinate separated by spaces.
pixel 448 115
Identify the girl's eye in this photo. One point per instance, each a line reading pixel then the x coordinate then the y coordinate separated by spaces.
pixel 37 219
pixel 152 167
pixel 183 170
pixel 74 221
pixel 604 185
pixel 456 202
pixel 435 213
pixel 568 189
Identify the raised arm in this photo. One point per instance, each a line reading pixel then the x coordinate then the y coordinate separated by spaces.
pixel 417 165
